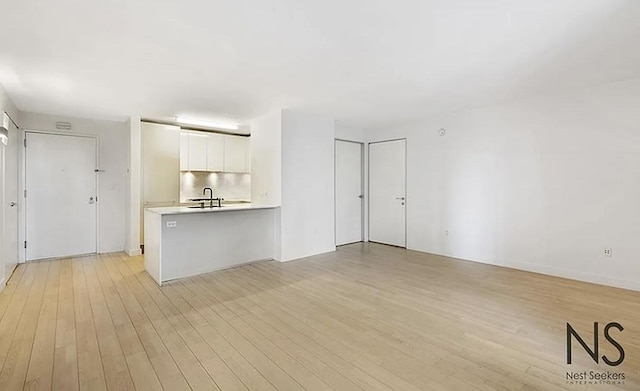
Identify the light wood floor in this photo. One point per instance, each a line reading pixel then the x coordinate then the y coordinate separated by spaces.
pixel 367 317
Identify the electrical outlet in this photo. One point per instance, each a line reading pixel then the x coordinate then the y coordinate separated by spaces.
pixel 446 233
pixel 171 224
pixel 607 252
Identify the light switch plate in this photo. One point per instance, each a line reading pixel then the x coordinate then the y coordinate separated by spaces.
pixel 171 224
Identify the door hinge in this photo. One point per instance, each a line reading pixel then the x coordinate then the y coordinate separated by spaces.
pixel 25 244
pixel 25 193
pixel 25 142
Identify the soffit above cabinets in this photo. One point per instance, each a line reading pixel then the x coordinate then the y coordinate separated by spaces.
pixel 243 130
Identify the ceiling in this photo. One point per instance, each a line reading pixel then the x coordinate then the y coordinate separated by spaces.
pixel 365 62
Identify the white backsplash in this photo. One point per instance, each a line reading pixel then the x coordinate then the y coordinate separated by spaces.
pixel 229 186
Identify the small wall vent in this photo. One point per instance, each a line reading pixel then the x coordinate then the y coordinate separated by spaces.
pixel 63 125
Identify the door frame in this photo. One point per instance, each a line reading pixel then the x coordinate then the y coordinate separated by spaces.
pixel 362 189
pixel 406 204
pixel 23 181
pixel 18 156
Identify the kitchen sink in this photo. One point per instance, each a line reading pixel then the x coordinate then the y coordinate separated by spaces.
pixel 204 207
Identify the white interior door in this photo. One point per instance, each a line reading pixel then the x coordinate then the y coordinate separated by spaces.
pixel 61 202
pixel 349 195
pixel 387 184
pixel 11 200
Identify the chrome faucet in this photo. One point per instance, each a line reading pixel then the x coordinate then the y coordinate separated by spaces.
pixel 204 192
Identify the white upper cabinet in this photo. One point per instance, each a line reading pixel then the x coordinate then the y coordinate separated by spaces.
pixel 236 149
pixel 184 151
pixel 198 151
pixel 215 152
pixel 160 163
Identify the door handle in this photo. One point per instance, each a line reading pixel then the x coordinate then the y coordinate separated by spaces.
pixel 12 204
pixel 91 200
pixel 361 196
pixel 400 198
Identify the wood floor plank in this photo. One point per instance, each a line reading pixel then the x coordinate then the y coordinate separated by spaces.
pixel 245 371
pixel 267 314
pixel 256 354
pixel 195 334
pixel 16 363
pixel 90 371
pixel 434 374
pixel 369 356
pixel 140 368
pixel 267 318
pixel 192 370
pixel 165 368
pixel 384 335
pixel 115 367
pixel 10 288
pixel 9 322
pixel 40 372
pixel 262 334
pixel 268 357
pixel 65 365
pixel 367 317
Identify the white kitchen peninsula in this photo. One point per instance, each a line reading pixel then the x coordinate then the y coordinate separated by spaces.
pixel 182 241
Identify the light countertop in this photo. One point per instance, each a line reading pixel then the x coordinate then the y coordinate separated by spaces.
pixel 175 210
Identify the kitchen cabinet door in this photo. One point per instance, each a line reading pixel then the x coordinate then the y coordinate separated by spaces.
pixel 184 151
pixel 160 163
pixel 198 151
pixel 235 154
pixel 215 152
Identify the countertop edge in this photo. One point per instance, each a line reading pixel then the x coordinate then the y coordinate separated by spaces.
pixel 172 210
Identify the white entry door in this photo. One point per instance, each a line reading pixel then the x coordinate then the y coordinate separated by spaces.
pixel 61 202
pixel 387 184
pixel 349 195
pixel 11 200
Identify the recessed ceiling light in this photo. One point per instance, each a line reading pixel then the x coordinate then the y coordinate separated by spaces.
pixel 207 124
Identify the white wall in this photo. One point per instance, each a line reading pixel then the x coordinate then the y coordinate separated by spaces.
pixel 350 133
pixel 112 139
pixel 266 159
pixel 6 104
pixel 292 163
pixel 307 212
pixel 266 168
pixel 542 184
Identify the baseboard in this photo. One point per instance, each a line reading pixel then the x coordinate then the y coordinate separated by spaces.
pixel 577 275
pixel 555 272
pixel 133 252
pixel 326 251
